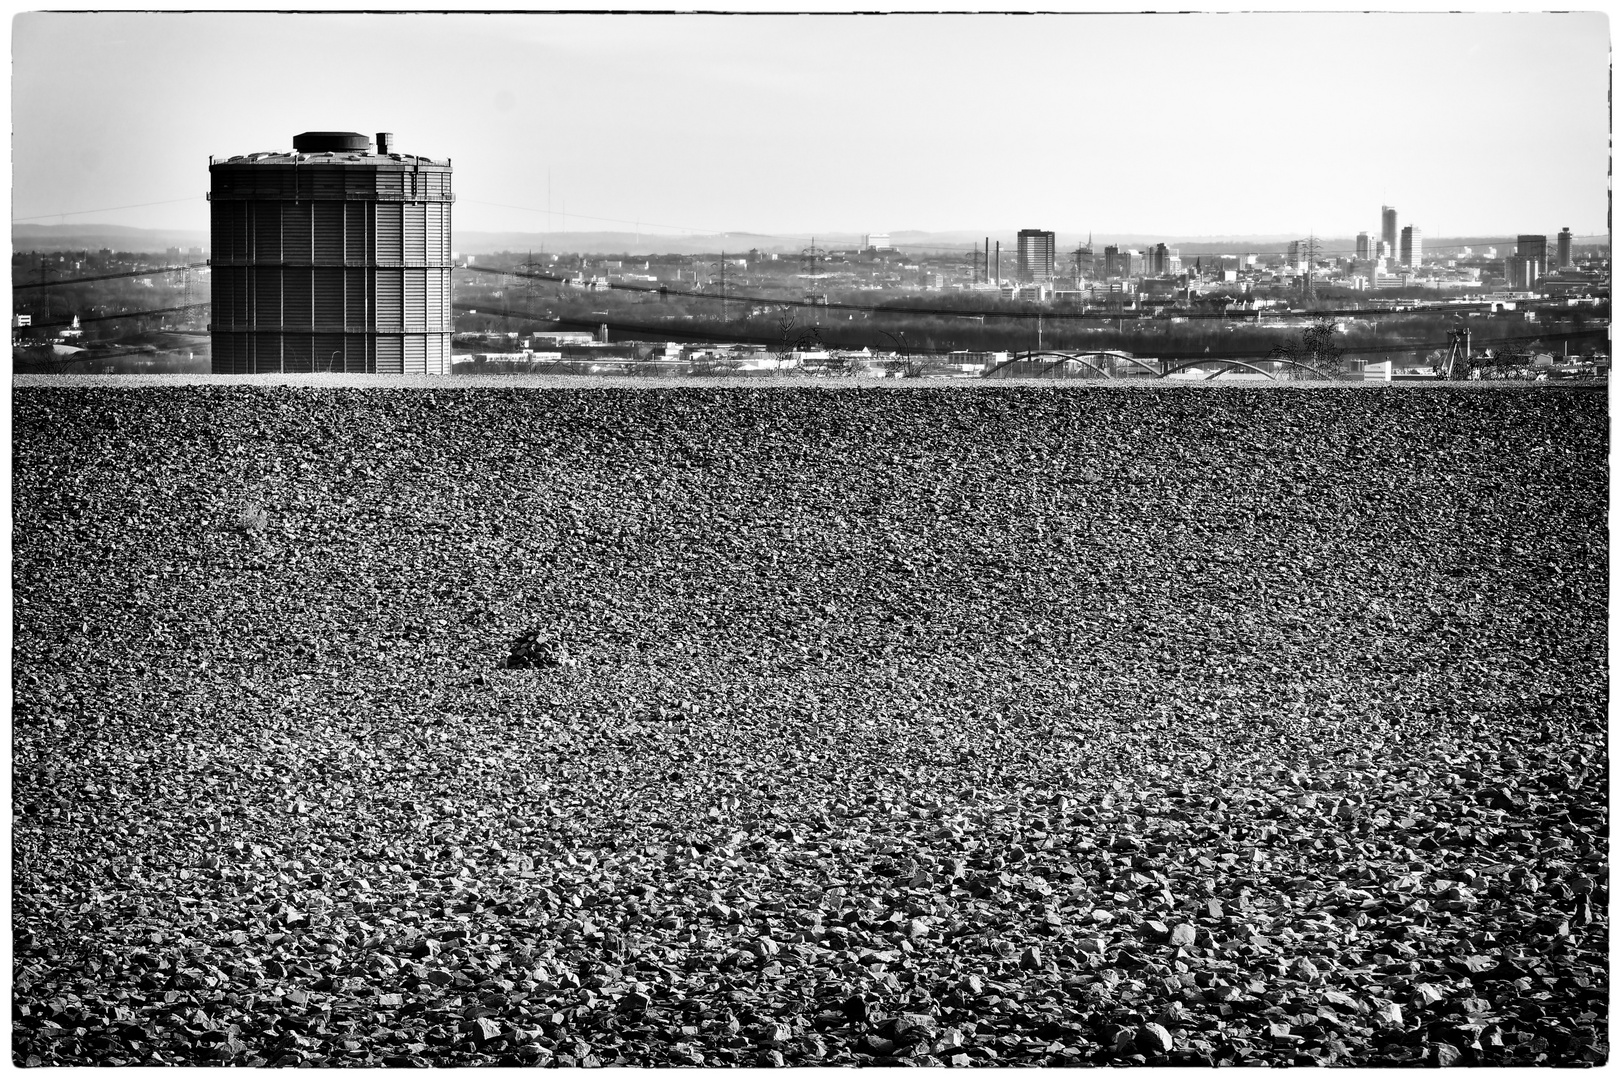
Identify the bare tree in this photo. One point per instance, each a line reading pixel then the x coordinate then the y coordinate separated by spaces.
pixel 905 365
pixel 1505 362
pixel 793 340
pixel 1314 356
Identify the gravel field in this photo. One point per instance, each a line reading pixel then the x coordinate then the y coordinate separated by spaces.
pixel 578 722
pixel 708 382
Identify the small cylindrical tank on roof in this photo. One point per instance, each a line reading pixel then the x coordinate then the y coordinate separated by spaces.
pixel 330 142
pixel 385 142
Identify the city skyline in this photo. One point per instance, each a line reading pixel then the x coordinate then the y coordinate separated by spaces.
pixel 794 125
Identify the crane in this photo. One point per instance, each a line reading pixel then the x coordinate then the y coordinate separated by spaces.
pixel 1457 363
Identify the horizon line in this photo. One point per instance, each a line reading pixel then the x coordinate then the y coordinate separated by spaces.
pixel 1214 236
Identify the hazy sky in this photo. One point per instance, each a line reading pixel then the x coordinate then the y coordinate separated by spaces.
pixel 1186 125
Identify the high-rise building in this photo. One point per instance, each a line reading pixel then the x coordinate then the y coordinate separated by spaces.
pixel 1412 247
pixel 1163 260
pixel 1038 254
pixel 334 257
pixel 1564 247
pixel 1532 247
pixel 1365 247
pixel 1111 261
pixel 1387 228
pixel 1085 261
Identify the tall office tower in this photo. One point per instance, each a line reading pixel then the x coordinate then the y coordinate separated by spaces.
pixel 1387 228
pixel 1412 247
pixel 1038 254
pixel 1564 247
pixel 331 257
pixel 1532 247
pixel 1365 250
pixel 1111 261
pixel 1294 254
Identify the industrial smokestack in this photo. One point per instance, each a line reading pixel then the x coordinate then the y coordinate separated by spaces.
pixel 999 264
pixel 385 142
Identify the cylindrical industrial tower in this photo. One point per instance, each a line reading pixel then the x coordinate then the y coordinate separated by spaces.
pixel 331 258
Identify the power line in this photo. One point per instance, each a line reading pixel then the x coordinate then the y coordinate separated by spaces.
pixel 970 313
pixel 1073 316
pixel 75 359
pixel 118 315
pixel 103 209
pixel 659 330
pixel 106 277
pixel 923 246
pixel 689 229
pixel 1234 251
pixel 1354 350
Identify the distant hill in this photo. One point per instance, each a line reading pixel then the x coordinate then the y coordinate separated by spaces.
pixel 920 242
pixel 910 240
pixel 629 243
pixel 125 238
pixel 95 237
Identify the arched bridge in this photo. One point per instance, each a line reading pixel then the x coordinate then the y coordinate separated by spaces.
pixel 1083 358
pixel 1086 359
